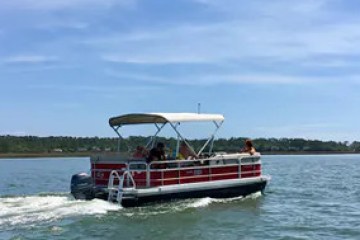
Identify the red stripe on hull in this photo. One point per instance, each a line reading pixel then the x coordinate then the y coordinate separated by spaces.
pixel 101 172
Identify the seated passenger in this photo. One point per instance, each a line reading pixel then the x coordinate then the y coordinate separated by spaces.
pixel 185 152
pixel 157 153
pixel 140 152
pixel 248 147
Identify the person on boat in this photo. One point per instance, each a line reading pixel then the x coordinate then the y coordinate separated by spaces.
pixel 157 153
pixel 140 152
pixel 249 148
pixel 185 152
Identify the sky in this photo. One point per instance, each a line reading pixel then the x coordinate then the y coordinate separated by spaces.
pixel 278 68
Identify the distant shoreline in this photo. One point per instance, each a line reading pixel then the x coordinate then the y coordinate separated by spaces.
pixel 88 154
pixel 44 155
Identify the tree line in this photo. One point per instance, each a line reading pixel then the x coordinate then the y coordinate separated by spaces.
pixel 34 144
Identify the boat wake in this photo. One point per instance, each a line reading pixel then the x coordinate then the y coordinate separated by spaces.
pixel 32 210
pixel 183 205
pixel 38 209
pixel 204 202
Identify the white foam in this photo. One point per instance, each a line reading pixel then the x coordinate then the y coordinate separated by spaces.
pixel 255 195
pixel 33 209
pixel 204 202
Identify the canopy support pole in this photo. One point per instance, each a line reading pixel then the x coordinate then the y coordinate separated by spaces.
pixel 211 138
pixel 179 136
pixel 116 129
pixel 152 139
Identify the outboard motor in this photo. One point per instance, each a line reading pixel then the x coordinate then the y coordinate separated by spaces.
pixel 82 186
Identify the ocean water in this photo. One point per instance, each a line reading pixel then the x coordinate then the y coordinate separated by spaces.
pixel 309 197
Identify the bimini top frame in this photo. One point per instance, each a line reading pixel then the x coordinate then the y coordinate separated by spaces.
pixel 161 119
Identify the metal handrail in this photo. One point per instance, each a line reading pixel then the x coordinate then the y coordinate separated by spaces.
pixel 177 167
pixel 200 160
pixel 171 169
pixel 207 175
pixel 112 176
pixel 120 188
pixel 127 173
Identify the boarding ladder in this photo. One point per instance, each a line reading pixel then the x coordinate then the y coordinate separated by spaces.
pixel 116 193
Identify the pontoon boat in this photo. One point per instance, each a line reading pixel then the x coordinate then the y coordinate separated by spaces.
pixel 133 181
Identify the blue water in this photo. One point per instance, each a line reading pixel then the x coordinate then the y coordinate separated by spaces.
pixel 309 197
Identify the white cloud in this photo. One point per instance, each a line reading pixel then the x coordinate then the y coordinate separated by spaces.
pixel 270 34
pixel 330 63
pixel 97 89
pixel 277 31
pixel 77 25
pixel 230 41
pixel 214 79
pixel 256 79
pixel 138 77
pixel 275 7
pixel 154 59
pixel 62 4
pixel 29 59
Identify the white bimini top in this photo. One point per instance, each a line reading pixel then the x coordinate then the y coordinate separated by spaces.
pixel 144 118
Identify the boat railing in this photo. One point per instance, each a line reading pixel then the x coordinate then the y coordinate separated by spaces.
pixel 180 171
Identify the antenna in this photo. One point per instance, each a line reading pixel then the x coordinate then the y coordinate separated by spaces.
pixel 199 108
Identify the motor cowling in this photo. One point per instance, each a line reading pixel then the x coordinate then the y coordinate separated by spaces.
pixel 82 186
